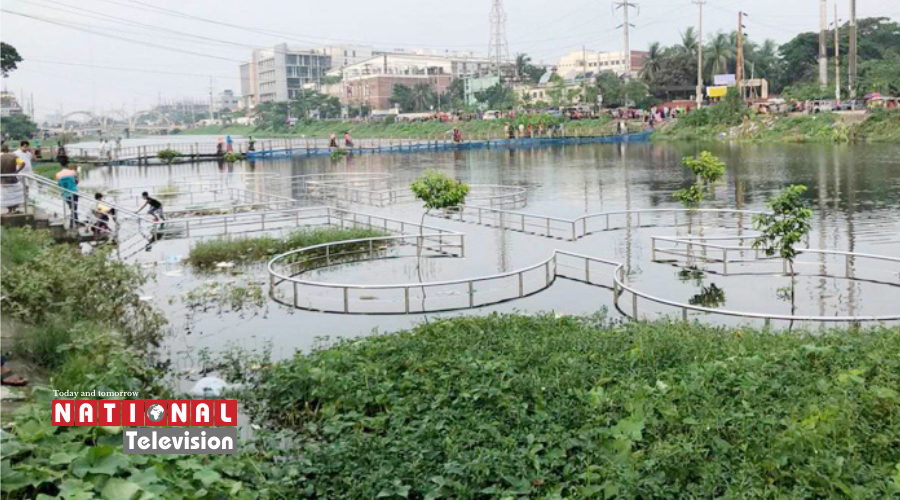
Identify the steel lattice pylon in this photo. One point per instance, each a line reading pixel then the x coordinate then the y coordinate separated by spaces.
pixel 498 48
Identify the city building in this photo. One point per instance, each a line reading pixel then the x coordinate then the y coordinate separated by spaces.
pixel 456 65
pixel 375 90
pixel 9 105
pixel 276 74
pixel 578 62
pixel 227 100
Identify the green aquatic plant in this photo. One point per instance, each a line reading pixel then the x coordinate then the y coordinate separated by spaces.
pixel 231 157
pixel 168 155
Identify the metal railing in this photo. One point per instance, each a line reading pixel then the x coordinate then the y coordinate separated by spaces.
pixel 287 287
pixel 579 227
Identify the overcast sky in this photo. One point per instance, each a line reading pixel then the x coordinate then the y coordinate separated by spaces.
pixel 127 54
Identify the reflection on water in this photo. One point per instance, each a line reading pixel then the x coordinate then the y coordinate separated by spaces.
pixel 854 192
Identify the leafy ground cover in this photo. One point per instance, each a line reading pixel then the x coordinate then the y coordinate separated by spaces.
pixel 206 254
pixel 514 407
pixel 825 128
pixel 548 407
pixel 47 170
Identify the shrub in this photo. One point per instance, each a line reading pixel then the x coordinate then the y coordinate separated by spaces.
pixel 231 157
pixel 549 407
pixel 438 190
pixel 168 155
pixel 60 284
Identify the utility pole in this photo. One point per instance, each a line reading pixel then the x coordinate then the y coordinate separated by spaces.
pixel 739 66
pixel 823 54
pixel 700 55
pixel 851 62
pixel 212 114
pixel 837 56
pixel 583 74
pixel 498 49
pixel 626 47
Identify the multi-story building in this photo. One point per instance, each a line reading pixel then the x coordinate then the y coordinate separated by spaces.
pixel 279 73
pixel 227 100
pixel 579 62
pixel 9 104
pixel 417 63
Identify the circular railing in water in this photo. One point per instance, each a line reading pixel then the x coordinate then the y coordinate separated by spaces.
pixel 287 270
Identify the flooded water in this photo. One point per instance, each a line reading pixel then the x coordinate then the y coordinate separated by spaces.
pixel 854 192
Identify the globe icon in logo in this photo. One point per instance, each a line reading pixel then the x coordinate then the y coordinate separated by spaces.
pixel 156 412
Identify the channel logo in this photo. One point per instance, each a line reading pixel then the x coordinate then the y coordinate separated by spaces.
pixel 206 414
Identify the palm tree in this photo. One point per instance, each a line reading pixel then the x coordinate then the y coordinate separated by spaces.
pixel 688 41
pixel 652 62
pixel 718 54
pixel 422 96
pixel 522 63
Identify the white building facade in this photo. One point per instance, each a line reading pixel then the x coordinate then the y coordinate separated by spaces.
pixel 579 62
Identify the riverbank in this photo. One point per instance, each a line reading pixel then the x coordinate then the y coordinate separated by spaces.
pixel 826 128
pixel 492 407
pixel 410 130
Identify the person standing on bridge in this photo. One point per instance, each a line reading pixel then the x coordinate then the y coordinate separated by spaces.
pixel 332 140
pixel 67 179
pixel 230 146
pixel 348 142
pixel 220 150
pixel 251 146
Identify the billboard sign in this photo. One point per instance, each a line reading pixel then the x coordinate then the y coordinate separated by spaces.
pixel 716 91
pixel 721 80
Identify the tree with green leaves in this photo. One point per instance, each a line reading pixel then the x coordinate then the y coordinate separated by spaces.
pixel 707 169
pixel 168 155
pixel 783 228
pixel 18 126
pixel 9 58
pixel 498 96
pixel 437 191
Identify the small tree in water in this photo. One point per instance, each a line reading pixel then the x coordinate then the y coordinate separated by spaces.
pixel 786 226
pixel 707 169
pixel 439 191
pixel 168 155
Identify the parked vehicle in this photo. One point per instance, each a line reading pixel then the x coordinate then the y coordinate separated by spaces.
pixel 492 114
pixel 822 106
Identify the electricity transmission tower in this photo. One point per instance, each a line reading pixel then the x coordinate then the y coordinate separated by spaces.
pixel 626 48
pixel 498 49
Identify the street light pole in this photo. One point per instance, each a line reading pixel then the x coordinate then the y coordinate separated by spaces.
pixel 700 55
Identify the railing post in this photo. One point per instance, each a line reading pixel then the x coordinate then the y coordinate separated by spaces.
pixel 587 270
pixel 725 261
pixel 634 302
pixel 471 293
pixel 521 285
pixel 328 255
pixel 406 299
pixel 547 272
pixel 346 300
pixel 607 222
pixel 296 297
pixel 652 249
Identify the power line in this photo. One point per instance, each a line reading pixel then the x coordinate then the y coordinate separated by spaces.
pixel 121 68
pixel 139 42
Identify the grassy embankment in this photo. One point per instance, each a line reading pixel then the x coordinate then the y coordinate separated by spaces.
pixel 206 254
pixel 522 407
pixel 374 130
pixel 828 128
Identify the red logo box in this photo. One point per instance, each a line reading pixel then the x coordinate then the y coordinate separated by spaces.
pixel 133 413
pixel 179 412
pixel 164 419
pixel 86 413
pixel 62 412
pixel 111 412
pixel 202 413
pixel 226 413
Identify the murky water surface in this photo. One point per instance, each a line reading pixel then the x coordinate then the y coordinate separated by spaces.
pixel 853 190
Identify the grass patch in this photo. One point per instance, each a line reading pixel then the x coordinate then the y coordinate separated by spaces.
pixel 206 254
pixel 47 170
pixel 476 129
pixel 546 407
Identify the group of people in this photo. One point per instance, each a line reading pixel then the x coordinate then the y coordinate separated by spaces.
pixel 110 150
pixel 12 166
pixel 333 143
pixel 530 131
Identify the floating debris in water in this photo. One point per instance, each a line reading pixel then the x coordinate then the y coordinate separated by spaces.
pixel 145 298
pixel 222 265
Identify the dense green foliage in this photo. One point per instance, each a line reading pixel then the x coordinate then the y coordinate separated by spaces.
pixel 9 58
pixel 206 254
pixel 47 170
pixel 438 190
pixel 18 127
pixel 168 155
pixel 232 157
pixel 54 285
pixel 550 407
